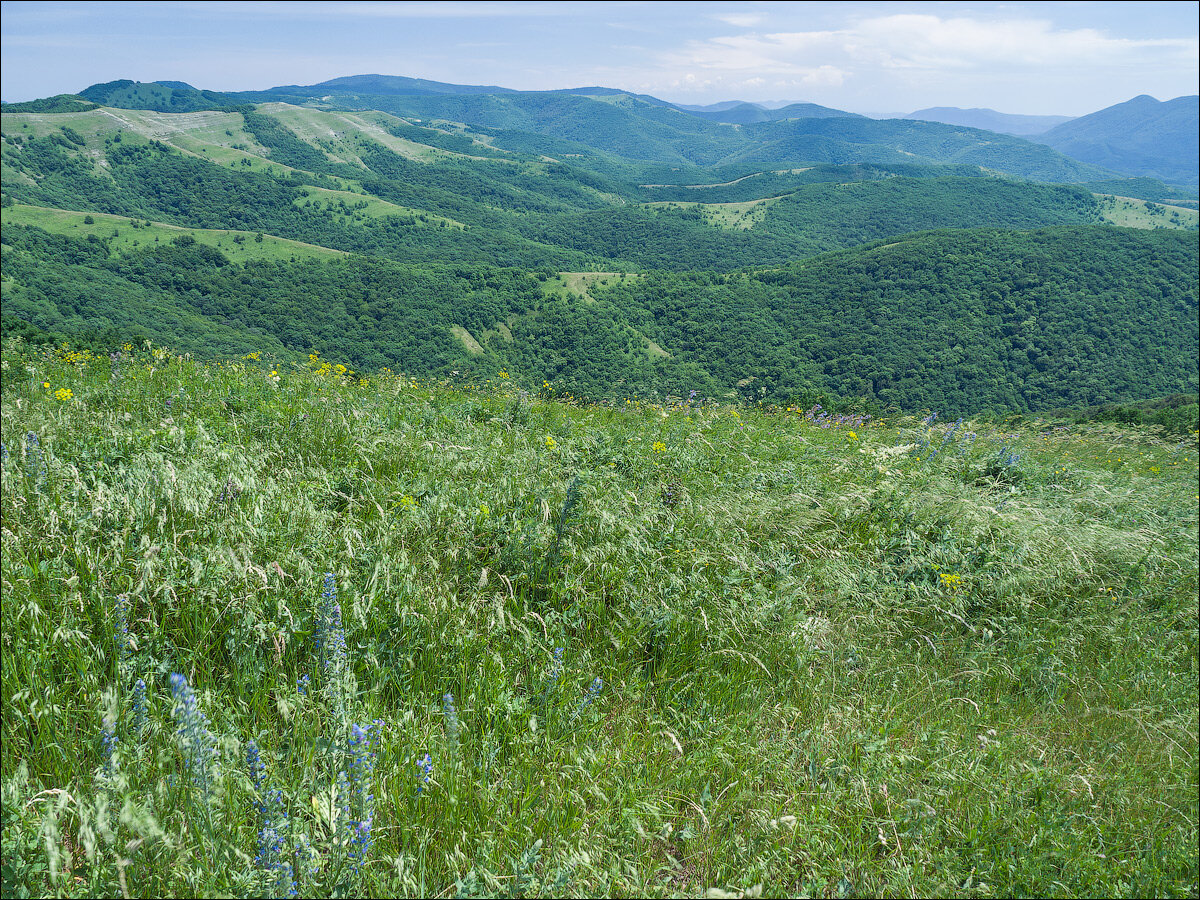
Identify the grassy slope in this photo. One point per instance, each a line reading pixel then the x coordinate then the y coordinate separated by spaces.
pixel 738 216
pixel 792 694
pixel 371 207
pixel 1131 212
pixel 124 236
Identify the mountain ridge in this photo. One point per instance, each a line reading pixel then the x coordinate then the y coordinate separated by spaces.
pixel 990 120
pixel 1142 136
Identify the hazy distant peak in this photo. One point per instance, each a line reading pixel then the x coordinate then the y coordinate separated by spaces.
pixel 401 84
pixel 1141 136
pixel 717 107
pixel 743 113
pixel 989 120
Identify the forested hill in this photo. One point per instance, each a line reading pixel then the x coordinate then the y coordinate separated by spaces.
pixel 956 321
pixel 839 256
pixel 1142 136
pixel 631 126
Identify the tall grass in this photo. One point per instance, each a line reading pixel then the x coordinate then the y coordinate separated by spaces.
pixel 322 635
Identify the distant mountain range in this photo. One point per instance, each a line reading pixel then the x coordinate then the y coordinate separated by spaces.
pixel 989 119
pixel 742 113
pixel 437 228
pixel 1142 136
pixel 1139 138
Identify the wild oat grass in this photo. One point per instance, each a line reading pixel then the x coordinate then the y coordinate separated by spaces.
pixel 320 634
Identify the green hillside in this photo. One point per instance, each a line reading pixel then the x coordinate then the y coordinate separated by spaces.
pixel 419 489
pixel 269 627
pixel 122 235
pixel 262 170
pixel 1140 137
pixel 957 321
pixel 641 128
pixel 814 219
pixel 452 228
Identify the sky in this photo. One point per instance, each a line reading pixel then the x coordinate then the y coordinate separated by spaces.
pixel 1032 58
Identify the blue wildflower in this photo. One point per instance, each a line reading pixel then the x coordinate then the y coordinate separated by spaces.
pixel 553 675
pixel 593 692
pixel 254 764
pixel 271 858
pixel 359 803
pixel 302 684
pixel 425 765
pixel 330 637
pixel 195 741
pixel 121 631
pixel 108 744
pixel 328 634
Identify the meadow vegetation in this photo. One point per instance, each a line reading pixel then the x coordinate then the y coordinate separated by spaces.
pixel 273 627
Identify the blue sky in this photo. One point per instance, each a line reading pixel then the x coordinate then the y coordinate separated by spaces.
pixel 1034 58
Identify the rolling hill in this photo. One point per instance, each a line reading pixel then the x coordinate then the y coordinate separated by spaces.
pixel 435 228
pixel 990 120
pixel 635 127
pixel 1142 136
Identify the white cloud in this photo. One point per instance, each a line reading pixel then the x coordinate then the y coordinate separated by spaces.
pixel 925 41
pixel 739 20
pixel 910 41
pixel 893 57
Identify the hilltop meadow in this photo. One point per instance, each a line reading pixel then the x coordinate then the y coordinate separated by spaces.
pixel 444 490
pixel 272 627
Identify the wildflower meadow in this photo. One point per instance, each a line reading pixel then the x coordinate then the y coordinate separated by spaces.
pixel 282 629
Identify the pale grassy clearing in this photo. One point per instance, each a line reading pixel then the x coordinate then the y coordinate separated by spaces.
pixel 338 134
pixel 370 207
pixel 577 283
pixel 1130 212
pixel 218 137
pixel 124 234
pixel 473 346
pixel 740 216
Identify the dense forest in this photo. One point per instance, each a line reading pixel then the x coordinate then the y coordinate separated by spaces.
pixel 955 320
pixel 765 262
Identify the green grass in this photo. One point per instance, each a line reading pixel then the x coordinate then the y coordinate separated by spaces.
pixel 1130 212
pixel 339 134
pixel 219 137
pixel 366 206
pixel 124 237
pixel 793 697
pixel 739 216
pixel 579 283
